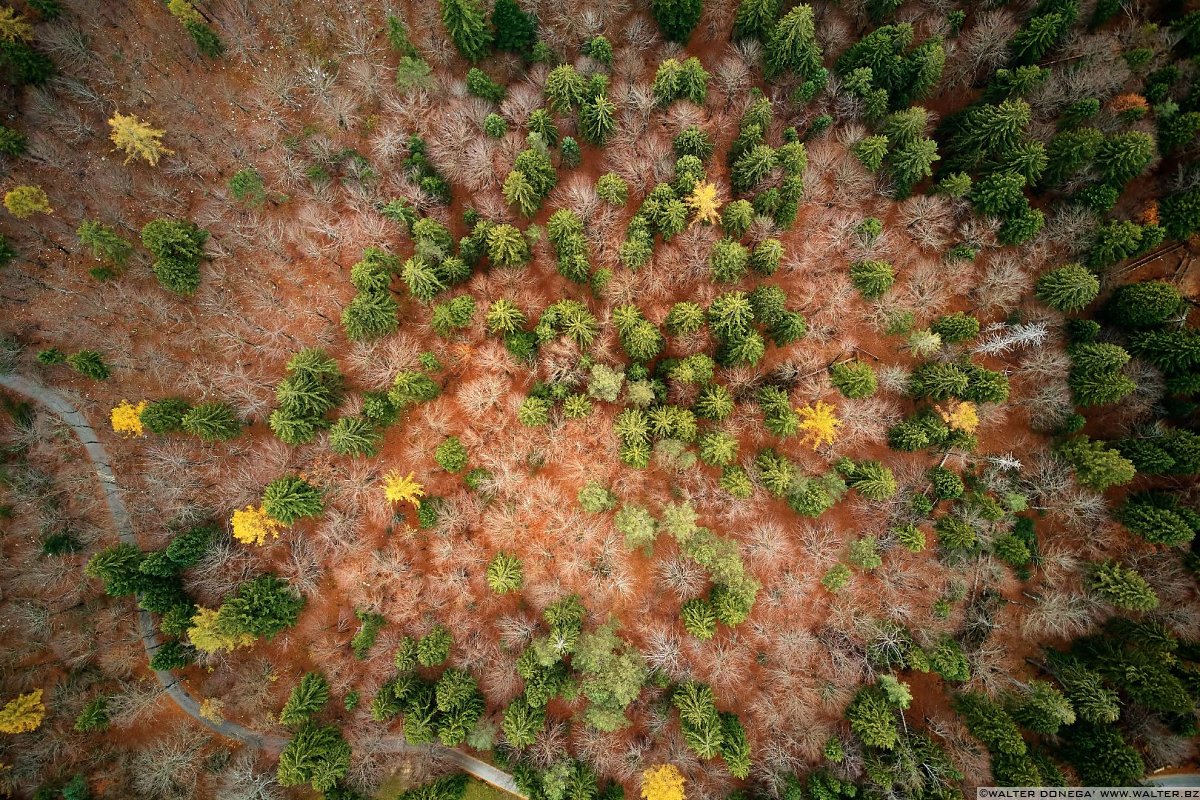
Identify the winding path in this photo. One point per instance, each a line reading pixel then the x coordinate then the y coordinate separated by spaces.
pixel 71 416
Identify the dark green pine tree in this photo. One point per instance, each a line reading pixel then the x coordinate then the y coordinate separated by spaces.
pixel 793 46
pixel 1144 305
pixel 676 18
pixel 263 606
pixel 307 698
pixel 516 31
pixel 755 18
pixel 467 26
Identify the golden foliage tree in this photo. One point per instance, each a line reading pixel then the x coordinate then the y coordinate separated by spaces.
pixel 705 203
pixel 137 139
pixel 212 710
pixel 663 782
pixel 13 27
pixel 207 636
pixel 254 525
pixel 402 488
pixel 23 713
pixel 185 12
pixel 960 415
pixel 819 423
pixel 127 418
pixel 25 201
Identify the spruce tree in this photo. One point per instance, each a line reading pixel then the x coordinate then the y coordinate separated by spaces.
pixel 1096 465
pixel 467 26
pixel 1144 305
pixel 755 18
pixel 516 30
pixel 1041 708
pixel 306 699
pixel 792 46
pixel 212 422
pixel 676 18
pixel 1068 288
pixel 263 606
pixel 1122 587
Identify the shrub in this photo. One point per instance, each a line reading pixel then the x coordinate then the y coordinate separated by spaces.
pixel 836 577
pixel 637 525
pixel 246 186
pixel 595 498
pixel 864 553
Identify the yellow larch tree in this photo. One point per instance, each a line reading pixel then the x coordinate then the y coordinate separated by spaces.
pixel 819 423
pixel 25 201
pixel 663 782
pixel 185 12
pixel 402 488
pixel 127 419
pixel 206 634
pixel 23 713
pixel 212 710
pixel 13 26
pixel 137 139
pixel 960 415
pixel 254 525
pixel 704 202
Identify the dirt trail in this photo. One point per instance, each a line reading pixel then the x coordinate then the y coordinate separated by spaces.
pixel 71 416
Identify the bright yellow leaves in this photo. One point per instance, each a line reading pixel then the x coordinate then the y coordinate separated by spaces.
pixel 13 27
pixel 819 424
pixel 137 139
pixel 23 713
pixel 402 488
pixel 961 416
pixel 705 203
pixel 212 710
pixel 254 525
pixel 25 201
pixel 127 419
pixel 663 782
pixel 206 634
